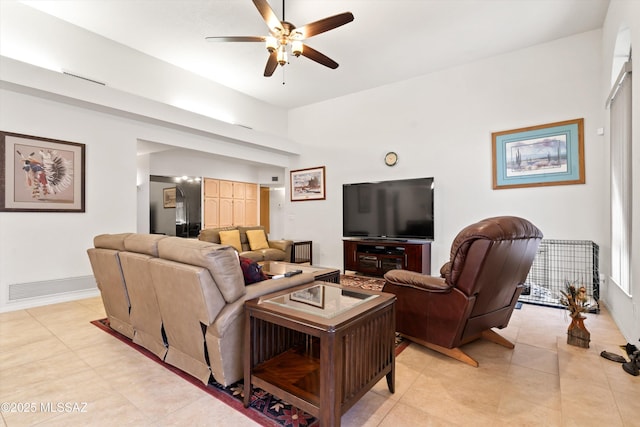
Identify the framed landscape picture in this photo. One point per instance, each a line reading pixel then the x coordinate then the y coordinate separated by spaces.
pixel 549 154
pixel 169 197
pixel 308 184
pixel 312 296
pixel 41 174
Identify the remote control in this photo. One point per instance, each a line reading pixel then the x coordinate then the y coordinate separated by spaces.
pixel 292 273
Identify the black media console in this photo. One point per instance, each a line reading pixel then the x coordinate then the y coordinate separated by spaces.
pixel 376 257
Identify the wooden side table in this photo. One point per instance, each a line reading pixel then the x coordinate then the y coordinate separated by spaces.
pixel 304 344
pixel 302 251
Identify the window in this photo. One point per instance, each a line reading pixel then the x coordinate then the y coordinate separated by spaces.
pixel 619 103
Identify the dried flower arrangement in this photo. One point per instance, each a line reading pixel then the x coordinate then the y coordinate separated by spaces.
pixel 575 299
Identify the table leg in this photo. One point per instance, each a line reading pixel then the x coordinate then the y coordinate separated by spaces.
pixel 391 380
pixel 330 369
pixel 391 376
pixel 247 358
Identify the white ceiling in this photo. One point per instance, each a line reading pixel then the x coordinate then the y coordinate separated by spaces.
pixel 389 40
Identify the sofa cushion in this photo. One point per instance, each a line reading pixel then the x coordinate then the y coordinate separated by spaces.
pixel 221 261
pixel 251 271
pixel 107 271
pixel 257 239
pixel 110 241
pixel 231 238
pixel 143 243
pixel 273 254
pixel 270 254
pixel 212 235
pixel 252 255
pixel 244 239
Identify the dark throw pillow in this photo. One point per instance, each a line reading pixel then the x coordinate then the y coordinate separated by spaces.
pixel 251 271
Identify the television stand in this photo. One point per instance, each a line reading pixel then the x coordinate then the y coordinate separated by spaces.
pixel 376 257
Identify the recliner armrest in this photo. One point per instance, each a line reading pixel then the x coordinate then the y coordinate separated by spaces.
pixel 445 269
pixel 417 280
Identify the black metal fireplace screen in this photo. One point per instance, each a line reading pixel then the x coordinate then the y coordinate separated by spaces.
pixel 562 262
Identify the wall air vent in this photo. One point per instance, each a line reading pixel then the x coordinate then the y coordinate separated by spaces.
pixel 21 291
pixel 83 78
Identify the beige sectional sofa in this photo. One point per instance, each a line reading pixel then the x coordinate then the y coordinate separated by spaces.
pixel 278 250
pixel 182 299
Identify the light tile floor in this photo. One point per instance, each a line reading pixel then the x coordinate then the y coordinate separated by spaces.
pixel 52 354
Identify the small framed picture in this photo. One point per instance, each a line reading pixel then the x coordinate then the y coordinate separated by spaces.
pixel 308 184
pixel 169 197
pixel 312 296
pixel 549 154
pixel 41 174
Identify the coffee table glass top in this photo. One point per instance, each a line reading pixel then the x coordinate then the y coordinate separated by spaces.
pixel 274 268
pixel 322 300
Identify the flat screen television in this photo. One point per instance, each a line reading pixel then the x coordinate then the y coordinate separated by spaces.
pixel 399 209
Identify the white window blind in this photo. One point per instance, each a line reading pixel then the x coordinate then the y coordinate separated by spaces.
pixel 620 110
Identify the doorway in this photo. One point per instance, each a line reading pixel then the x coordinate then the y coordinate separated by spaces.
pixel 175 206
pixel 264 208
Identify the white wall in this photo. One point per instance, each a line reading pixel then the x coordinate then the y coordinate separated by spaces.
pixel 143 192
pixel 625 309
pixel 58 45
pixel 195 163
pixel 44 247
pixel 276 214
pixel 440 125
pixel 48 246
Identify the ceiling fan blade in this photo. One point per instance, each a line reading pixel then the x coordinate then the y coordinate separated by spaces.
pixel 318 57
pixel 272 64
pixel 324 25
pixel 268 15
pixel 236 39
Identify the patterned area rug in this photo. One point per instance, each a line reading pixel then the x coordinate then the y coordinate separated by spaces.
pixel 363 282
pixel 265 409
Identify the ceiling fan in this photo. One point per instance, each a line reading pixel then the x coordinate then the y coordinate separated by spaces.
pixel 284 36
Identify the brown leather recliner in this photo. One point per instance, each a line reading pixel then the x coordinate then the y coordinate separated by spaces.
pixel 478 288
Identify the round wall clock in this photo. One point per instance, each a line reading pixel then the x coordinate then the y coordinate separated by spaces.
pixel 391 158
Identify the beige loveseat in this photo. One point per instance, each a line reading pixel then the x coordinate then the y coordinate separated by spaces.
pixel 278 250
pixel 182 299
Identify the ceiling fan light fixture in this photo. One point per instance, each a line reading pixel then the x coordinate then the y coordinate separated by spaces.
pixel 282 55
pixel 285 39
pixel 296 47
pixel 271 43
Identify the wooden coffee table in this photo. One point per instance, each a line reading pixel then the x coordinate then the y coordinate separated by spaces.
pixel 319 346
pixel 274 268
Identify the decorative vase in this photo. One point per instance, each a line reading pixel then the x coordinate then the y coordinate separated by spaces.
pixel 577 334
